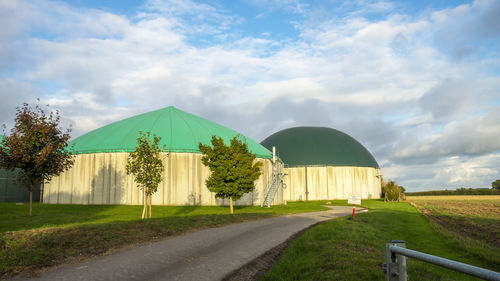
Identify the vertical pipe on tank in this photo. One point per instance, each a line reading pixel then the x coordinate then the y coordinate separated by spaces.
pixel 274 154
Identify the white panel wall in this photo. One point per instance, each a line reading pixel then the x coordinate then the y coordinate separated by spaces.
pixel 101 178
pixel 327 182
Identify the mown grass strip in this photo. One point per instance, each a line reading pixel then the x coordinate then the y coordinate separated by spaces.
pixel 58 234
pixel 15 217
pixel 343 249
pixel 472 220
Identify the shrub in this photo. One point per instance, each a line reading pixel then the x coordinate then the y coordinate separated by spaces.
pixel 392 191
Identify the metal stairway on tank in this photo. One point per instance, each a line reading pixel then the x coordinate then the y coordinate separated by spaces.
pixel 276 181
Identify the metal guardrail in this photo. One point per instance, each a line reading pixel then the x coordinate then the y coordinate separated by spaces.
pixel 395 267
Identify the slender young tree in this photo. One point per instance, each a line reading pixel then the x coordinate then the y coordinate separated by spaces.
pixel 233 169
pixel 147 167
pixel 36 146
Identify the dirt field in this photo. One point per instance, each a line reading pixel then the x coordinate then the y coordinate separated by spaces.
pixel 487 206
pixel 476 217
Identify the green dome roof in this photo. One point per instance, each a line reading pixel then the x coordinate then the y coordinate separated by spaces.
pixel 179 132
pixel 311 146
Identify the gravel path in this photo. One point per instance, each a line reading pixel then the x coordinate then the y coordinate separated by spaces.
pixel 228 252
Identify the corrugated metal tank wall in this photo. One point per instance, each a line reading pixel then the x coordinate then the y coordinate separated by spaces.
pixel 328 182
pixel 101 178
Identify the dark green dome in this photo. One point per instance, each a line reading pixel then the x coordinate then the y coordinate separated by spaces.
pixel 179 132
pixel 313 146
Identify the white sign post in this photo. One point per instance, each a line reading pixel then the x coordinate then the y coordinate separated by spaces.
pixel 354 199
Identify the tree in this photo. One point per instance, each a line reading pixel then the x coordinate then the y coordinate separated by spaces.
pixel 402 190
pixel 391 191
pixel 36 146
pixel 147 167
pixel 496 185
pixel 233 169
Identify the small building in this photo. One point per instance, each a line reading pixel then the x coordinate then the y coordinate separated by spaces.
pixel 11 190
pixel 323 163
pixel 98 175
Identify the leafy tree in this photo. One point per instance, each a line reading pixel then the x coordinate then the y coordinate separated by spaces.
pixel 36 146
pixel 496 185
pixel 402 192
pixel 147 167
pixel 392 191
pixel 233 169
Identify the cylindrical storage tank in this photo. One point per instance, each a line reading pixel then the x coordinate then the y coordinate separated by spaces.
pixel 98 175
pixel 323 163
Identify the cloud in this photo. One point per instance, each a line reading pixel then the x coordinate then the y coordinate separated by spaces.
pixel 14 94
pixel 449 173
pixel 468 174
pixel 474 137
pixel 193 18
pixel 293 6
pixel 473 34
pixel 85 111
pixel 389 81
pixel 437 99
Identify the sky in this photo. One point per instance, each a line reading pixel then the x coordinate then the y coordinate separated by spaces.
pixel 416 82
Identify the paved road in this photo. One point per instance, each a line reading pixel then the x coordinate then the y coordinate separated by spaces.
pixel 209 254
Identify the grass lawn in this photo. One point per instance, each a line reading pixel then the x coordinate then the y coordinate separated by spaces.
pixel 15 217
pixel 343 249
pixel 474 220
pixel 59 234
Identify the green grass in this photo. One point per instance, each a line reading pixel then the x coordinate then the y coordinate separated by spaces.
pixel 472 220
pixel 15 217
pixel 57 234
pixel 343 249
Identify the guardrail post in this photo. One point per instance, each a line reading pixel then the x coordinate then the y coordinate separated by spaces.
pixel 396 264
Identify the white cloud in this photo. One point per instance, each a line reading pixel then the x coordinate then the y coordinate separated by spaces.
pixel 476 136
pixel 459 173
pixel 476 29
pixel 294 6
pixel 13 94
pixel 450 173
pixel 383 81
pixel 192 17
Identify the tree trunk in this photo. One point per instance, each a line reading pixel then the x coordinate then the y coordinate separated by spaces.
pixel 42 186
pixel 150 203
pixel 144 204
pixel 231 204
pixel 143 211
pixel 31 201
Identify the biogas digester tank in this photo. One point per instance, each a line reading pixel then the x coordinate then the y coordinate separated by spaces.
pixel 98 175
pixel 323 163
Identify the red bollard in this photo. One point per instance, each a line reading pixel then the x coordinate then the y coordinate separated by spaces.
pixel 353 209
